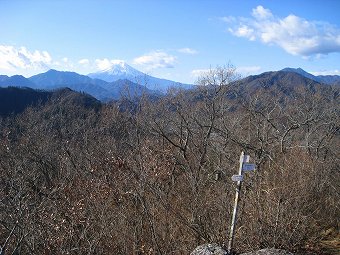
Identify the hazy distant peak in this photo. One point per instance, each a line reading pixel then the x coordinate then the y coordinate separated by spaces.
pixel 119 64
pixel 54 71
pixel 295 70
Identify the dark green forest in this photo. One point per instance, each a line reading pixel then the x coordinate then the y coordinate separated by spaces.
pixel 154 176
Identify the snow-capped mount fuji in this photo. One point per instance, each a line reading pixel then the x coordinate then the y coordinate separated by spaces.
pixel 123 71
pixel 118 71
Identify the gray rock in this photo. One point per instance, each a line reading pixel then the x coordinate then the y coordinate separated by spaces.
pixel 270 251
pixel 209 249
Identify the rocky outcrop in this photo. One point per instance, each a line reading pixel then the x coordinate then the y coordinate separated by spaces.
pixel 214 249
pixel 209 249
pixel 269 252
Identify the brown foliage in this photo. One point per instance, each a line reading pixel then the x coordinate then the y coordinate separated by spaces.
pixel 157 181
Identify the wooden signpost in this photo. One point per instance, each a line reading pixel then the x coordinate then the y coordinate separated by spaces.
pixel 244 167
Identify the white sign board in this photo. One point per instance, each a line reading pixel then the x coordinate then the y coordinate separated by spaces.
pixel 244 158
pixel 237 178
pixel 248 167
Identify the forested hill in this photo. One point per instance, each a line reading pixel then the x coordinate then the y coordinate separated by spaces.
pixel 281 81
pixel 14 100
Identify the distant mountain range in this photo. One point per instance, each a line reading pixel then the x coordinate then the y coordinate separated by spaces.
pixel 16 80
pixel 121 80
pixel 100 89
pixel 122 70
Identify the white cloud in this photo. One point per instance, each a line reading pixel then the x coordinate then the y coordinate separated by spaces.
pixel 188 51
pixel 156 59
pixel 248 70
pixel 261 13
pixel 228 19
pixel 84 61
pixel 199 72
pixel 105 64
pixel 294 34
pixel 20 60
pixel 244 31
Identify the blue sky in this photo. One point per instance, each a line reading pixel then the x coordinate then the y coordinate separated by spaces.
pixel 173 39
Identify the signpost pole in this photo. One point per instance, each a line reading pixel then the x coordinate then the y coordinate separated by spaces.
pixel 237 197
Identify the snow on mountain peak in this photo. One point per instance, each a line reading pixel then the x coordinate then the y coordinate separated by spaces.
pixel 119 67
pixel 112 70
pixel 108 65
pixel 119 70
